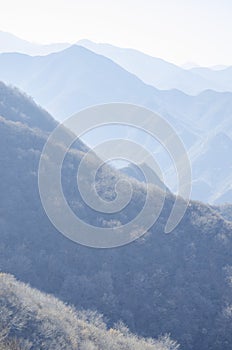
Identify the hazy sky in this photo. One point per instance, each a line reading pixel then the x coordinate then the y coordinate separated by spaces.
pixel 177 30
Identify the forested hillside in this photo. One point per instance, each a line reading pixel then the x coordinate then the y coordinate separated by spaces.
pixel 32 320
pixel 178 283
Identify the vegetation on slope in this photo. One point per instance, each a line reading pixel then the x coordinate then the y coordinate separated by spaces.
pixel 178 283
pixel 33 320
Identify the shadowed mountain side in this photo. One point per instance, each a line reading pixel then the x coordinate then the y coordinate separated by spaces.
pixel 177 283
pixel 19 107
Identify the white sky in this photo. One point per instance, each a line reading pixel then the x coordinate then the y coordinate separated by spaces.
pixel 177 30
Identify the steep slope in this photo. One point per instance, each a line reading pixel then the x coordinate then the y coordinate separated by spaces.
pixel 225 210
pixel 72 79
pixel 209 115
pixel 134 172
pixel 76 78
pixel 177 283
pixel 154 71
pixel 205 113
pixel 215 153
pixel 18 107
pixel 158 72
pixel 39 321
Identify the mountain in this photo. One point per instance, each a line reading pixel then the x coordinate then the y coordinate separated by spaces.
pixel 35 320
pixel 217 67
pixel 220 78
pixel 225 210
pixel 162 74
pixel 76 78
pixel 189 65
pixel 11 43
pixel 12 99
pixel 177 283
pixel 208 115
pixel 157 72
pixel 135 172
pixel 215 154
pixel 72 79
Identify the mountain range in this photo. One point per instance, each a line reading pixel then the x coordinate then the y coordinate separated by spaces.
pixel 11 43
pixel 76 78
pixel 165 75
pixel 158 292
pixel 191 79
pixel 178 283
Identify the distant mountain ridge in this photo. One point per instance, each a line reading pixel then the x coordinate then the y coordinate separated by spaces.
pixel 11 43
pixel 72 79
pixel 154 71
pixel 221 79
pixel 162 74
pixel 76 78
